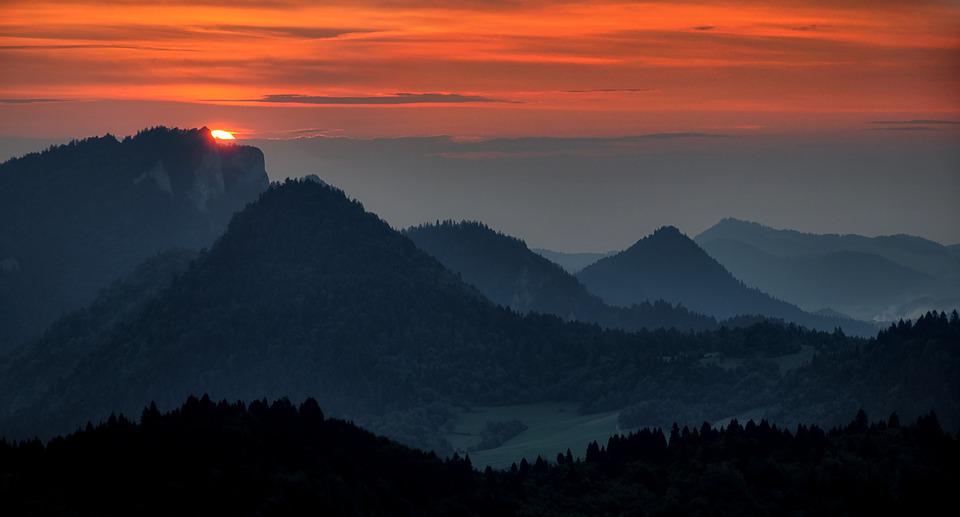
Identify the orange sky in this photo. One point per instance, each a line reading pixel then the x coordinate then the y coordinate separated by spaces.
pixel 479 68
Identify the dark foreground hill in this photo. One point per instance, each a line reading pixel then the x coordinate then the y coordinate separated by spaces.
pixel 76 217
pixel 266 459
pixel 510 274
pixel 670 266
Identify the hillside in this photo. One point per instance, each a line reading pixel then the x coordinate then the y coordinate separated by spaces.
pixel 668 265
pixel 30 370
pixel 265 459
pixel 307 294
pixel 914 361
pixel 76 217
pixel 880 278
pixel 510 274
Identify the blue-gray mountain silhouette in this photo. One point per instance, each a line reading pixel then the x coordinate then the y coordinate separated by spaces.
pixel 510 274
pixel 668 265
pixel 883 278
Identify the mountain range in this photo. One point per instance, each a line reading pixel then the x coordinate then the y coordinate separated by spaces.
pixel 872 278
pixel 670 266
pixel 75 217
pixel 511 275
pixel 306 294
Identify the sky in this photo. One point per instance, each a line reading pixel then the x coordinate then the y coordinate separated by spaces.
pixel 601 86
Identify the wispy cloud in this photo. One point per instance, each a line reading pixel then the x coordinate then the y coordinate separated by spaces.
pixel 396 98
pixel 903 128
pixel 189 34
pixel 613 90
pixel 287 31
pixel 914 122
pixel 85 46
pixel 912 125
pixel 29 100
pixel 532 147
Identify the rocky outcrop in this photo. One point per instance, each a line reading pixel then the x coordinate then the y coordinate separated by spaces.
pixel 78 216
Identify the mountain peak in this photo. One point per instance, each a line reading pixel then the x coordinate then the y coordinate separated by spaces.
pixel 729 225
pixel 666 236
pixel 668 230
pixel 507 272
pixel 296 214
pixel 669 265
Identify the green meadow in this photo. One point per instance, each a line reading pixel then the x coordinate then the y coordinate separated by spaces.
pixel 552 427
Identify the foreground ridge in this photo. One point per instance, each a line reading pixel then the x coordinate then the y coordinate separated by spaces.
pixel 278 458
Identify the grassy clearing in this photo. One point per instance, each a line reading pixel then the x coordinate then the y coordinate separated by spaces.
pixel 785 362
pixel 552 427
pixel 796 360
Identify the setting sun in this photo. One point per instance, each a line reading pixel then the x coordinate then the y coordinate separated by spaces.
pixel 220 134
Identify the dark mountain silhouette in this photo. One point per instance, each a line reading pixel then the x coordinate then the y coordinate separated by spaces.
pixel 264 459
pixel 510 274
pixel 863 284
pixel 32 369
pixel 571 262
pixel 75 217
pixel 916 253
pixel 955 249
pixel 668 265
pixel 883 278
pixel 307 294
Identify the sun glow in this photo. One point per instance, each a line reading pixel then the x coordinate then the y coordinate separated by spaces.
pixel 220 134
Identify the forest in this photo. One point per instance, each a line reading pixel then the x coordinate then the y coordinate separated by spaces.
pixel 278 458
pixel 308 294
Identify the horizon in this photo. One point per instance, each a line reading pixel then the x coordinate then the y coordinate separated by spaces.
pixel 574 195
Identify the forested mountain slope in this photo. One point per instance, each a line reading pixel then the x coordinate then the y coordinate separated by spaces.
pixel 910 367
pixel 30 370
pixel 510 274
pixel 309 295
